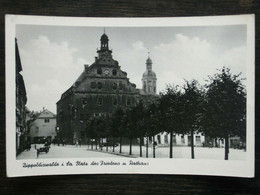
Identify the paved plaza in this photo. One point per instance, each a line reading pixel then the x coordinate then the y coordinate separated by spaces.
pixel 84 151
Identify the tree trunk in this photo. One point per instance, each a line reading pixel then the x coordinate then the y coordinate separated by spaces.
pixel 153 147
pixel 141 151
pixel 96 144
pixel 192 143
pixel 91 145
pixel 171 144
pixel 130 149
pixel 120 150
pixel 107 144
pixel 101 144
pixel 147 138
pixel 226 147
pixel 113 144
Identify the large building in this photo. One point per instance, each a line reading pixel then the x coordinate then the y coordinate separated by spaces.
pixel 21 99
pixel 100 88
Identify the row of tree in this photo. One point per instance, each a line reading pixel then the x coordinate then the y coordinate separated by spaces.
pixel 218 109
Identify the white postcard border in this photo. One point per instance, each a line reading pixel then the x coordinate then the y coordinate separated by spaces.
pixel 155 166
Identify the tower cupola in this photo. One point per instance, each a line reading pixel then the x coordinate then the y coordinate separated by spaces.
pixel 104 42
pixel 149 79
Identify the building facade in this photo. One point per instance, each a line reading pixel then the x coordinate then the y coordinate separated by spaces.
pixel 43 127
pixel 21 99
pixel 163 139
pixel 100 88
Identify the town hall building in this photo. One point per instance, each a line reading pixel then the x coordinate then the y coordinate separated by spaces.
pixel 101 88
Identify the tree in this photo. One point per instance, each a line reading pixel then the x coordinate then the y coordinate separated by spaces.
pixel 116 126
pixel 171 112
pixel 103 128
pixel 225 111
pixel 149 120
pixel 138 121
pixel 192 109
pixel 152 122
pixel 91 130
pixel 134 124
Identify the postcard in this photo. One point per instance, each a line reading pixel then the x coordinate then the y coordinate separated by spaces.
pixel 130 95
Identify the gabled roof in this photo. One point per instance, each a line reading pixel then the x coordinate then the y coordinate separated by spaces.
pixel 17 58
pixel 46 114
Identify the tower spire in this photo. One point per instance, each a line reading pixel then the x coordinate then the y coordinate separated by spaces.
pixel 104 41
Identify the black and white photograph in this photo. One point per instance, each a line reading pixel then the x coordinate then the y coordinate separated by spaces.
pixel 124 95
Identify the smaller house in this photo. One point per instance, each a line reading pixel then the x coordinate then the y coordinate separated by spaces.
pixel 163 139
pixel 43 127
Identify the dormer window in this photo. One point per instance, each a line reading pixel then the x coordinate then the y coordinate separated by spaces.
pixel 99 71
pixel 114 72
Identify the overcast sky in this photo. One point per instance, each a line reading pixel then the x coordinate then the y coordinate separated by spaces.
pixel 53 57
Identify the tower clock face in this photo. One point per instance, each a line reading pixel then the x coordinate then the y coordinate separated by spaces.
pixel 107 72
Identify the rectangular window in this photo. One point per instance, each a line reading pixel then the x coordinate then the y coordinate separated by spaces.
pixel 198 141
pixel 128 102
pixel 174 139
pixel 159 139
pixel 115 101
pixel 166 139
pixel 100 101
pixel 84 101
pixel 46 120
pixel 182 139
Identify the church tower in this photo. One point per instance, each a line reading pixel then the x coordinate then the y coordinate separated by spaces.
pixel 149 79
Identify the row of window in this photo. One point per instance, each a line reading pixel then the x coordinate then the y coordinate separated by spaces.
pixel 99 85
pixel 197 139
pixel 100 101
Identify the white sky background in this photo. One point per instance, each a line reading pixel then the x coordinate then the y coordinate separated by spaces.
pixel 53 57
